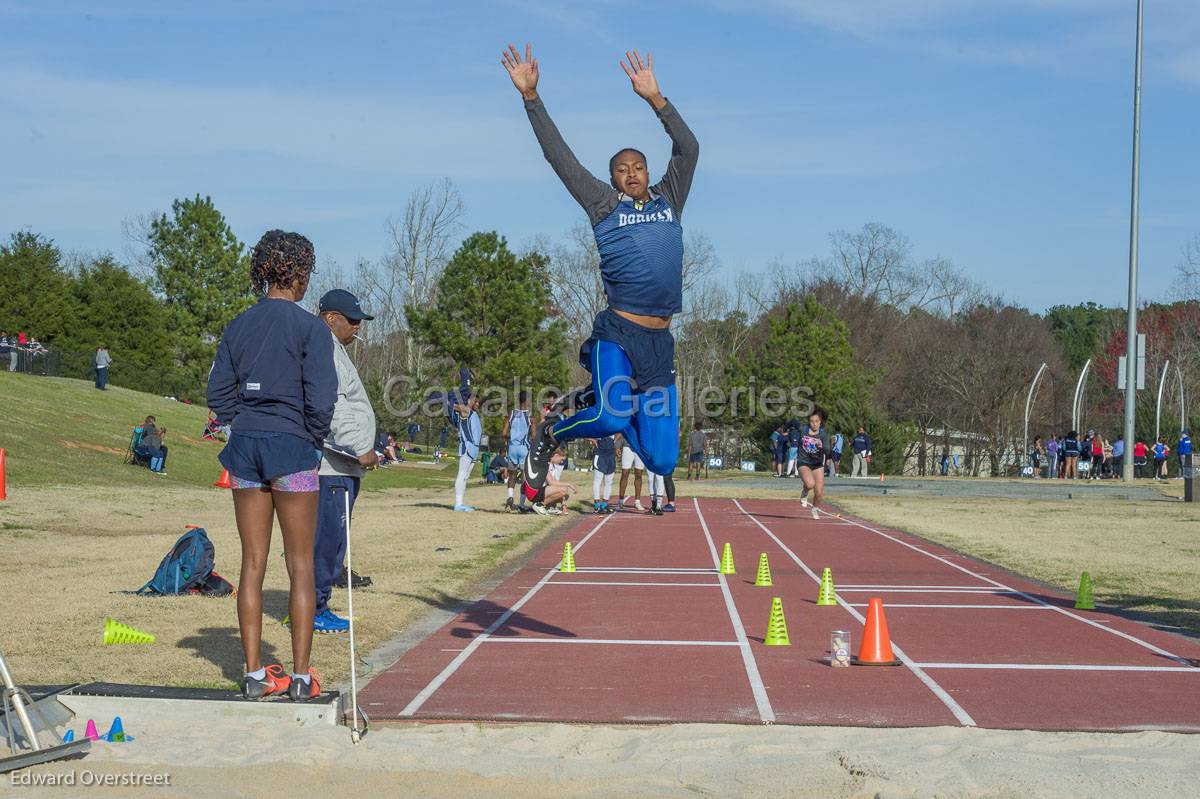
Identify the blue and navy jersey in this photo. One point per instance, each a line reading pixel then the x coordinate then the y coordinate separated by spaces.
pixel 641 257
pixel 640 244
pixel 1185 445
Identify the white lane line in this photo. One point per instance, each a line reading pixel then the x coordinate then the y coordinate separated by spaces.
pixel 954 607
pixel 640 570
pixel 963 717
pixel 926 587
pixel 849 590
pixel 765 711
pixel 437 682
pixel 618 641
pixel 1056 667
pixel 604 582
pixel 1031 598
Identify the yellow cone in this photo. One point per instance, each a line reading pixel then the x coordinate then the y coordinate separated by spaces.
pixel 727 561
pixel 826 595
pixel 117 633
pixel 777 626
pixel 568 559
pixel 764 571
pixel 1084 600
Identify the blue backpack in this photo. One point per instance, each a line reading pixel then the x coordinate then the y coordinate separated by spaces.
pixel 186 566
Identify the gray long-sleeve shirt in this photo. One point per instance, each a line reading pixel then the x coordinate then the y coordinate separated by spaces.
pixel 640 243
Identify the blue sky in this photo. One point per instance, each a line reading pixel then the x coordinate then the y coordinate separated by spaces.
pixel 995 133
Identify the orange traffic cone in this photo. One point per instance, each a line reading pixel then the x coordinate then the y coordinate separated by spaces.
pixel 876 647
pixel 223 481
pixel 2 494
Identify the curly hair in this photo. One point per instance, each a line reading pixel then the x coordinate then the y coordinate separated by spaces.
pixel 281 259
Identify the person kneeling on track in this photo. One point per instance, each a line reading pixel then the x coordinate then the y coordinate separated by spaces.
pixel 556 491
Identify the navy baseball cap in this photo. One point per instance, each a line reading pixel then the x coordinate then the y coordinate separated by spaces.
pixel 345 303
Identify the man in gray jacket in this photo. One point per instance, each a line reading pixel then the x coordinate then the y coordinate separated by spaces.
pixel 349 451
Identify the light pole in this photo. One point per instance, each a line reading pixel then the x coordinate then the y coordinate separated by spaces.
pixel 1131 319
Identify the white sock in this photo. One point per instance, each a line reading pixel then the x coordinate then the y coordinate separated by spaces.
pixel 510 493
pixel 307 678
pixel 261 674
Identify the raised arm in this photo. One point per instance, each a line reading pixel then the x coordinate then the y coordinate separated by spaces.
pixel 685 150
pixel 597 197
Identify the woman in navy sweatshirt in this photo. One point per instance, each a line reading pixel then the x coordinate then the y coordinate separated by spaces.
pixel 274 380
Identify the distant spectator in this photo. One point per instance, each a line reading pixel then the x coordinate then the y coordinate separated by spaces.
pixel 862 453
pixel 1035 456
pixel 1139 458
pixel 778 450
pixel 8 352
pixel 697 446
pixel 1108 458
pixel 1118 456
pixel 835 456
pixel 103 359
pixel 1070 450
pixel 1184 453
pixel 1052 457
pixel 1097 450
pixel 413 429
pixel 1161 452
pixel 152 443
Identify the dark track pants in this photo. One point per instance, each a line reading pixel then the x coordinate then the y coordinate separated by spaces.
pixel 329 548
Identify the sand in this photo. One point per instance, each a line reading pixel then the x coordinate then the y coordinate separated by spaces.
pixel 557 760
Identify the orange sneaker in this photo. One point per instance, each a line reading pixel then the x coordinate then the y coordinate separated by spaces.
pixel 276 682
pixel 304 690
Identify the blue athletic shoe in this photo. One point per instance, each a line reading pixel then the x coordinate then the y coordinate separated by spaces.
pixel 328 622
pixel 669 507
pixel 464 509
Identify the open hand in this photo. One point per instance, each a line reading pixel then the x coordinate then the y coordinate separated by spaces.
pixel 524 73
pixel 641 75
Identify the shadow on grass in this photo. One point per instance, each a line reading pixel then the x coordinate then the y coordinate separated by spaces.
pixel 222 646
pixel 479 616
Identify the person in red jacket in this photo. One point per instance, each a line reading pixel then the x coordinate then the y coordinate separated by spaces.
pixel 1139 458
pixel 1097 457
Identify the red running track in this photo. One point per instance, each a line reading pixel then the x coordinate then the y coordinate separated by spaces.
pixel 647 630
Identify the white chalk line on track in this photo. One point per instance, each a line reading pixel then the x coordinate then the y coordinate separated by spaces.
pixel 954 607
pixel 765 711
pixel 639 570
pixel 956 709
pixel 922 590
pixel 1132 638
pixel 1056 667
pixel 614 641
pixel 437 682
pixel 604 582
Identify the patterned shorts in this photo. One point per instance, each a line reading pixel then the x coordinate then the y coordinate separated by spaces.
pixel 294 483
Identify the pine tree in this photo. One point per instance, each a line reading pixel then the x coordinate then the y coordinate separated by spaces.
pixel 202 272
pixel 491 314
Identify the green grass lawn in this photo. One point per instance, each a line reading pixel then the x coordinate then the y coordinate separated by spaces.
pixel 60 431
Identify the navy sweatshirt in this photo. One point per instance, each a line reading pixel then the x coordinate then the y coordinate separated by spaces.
pixel 274 372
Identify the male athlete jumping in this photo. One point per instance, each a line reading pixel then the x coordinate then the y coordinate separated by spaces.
pixel 631 352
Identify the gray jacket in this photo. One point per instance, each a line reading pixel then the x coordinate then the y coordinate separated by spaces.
pixel 353 425
pixel 103 359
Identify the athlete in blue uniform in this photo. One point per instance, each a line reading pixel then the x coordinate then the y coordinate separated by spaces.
pixel 517 428
pixel 631 352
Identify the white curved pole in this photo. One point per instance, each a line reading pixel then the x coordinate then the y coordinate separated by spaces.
pixel 1162 381
pixel 1182 405
pixel 1075 405
pixel 1028 403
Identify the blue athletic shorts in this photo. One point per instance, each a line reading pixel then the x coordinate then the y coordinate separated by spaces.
pixel 651 351
pixel 253 456
pixel 517 453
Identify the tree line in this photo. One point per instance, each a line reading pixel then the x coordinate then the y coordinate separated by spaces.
pixel 914 350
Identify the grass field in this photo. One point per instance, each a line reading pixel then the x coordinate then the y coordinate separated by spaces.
pixel 79 528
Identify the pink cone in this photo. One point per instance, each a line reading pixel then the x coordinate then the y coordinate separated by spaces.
pixel 90 733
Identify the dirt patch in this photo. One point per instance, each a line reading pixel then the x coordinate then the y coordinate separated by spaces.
pixel 92 447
